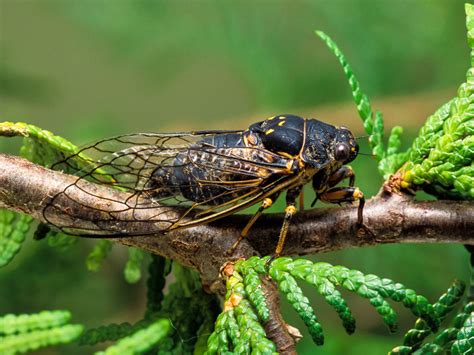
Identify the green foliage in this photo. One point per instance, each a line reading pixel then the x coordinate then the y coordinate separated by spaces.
pixel 27 332
pixel 188 312
pixel 188 307
pixel 441 157
pixel 97 256
pixel 13 229
pixel 45 148
pixel 373 125
pixel 457 339
pixel 140 341
pixel 245 298
pixel 39 146
pixel 203 333
pixel 253 288
pixel 158 269
pixel 184 299
pixel 415 337
pixel 54 238
pixel 110 332
pixel 60 240
pixel 23 323
pixel 288 286
pixel 132 271
pixel 180 321
pixel 464 343
pixel 238 328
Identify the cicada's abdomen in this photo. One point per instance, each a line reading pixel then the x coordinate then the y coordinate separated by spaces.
pixel 199 173
pixel 217 169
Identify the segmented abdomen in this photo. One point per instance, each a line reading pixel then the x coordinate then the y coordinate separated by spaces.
pixel 216 171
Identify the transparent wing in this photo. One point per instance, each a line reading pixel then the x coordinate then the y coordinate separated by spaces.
pixel 163 182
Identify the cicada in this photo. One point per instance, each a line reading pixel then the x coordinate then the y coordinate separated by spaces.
pixel 167 182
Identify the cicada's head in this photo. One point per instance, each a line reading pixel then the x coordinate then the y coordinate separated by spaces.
pixel 345 146
pixel 328 145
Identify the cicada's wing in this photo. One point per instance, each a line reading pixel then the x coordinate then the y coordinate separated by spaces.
pixel 121 161
pixel 163 182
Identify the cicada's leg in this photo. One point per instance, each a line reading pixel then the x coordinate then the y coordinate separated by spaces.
pixel 346 194
pixel 323 181
pixel 301 201
pixel 290 211
pixel 267 202
pixel 343 173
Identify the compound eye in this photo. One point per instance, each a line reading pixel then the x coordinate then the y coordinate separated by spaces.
pixel 343 152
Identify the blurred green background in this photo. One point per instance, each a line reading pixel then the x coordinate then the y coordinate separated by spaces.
pixel 91 69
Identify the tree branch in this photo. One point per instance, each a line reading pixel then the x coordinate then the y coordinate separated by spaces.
pixel 392 218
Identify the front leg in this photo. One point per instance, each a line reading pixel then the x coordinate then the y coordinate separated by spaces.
pixel 345 194
pixel 321 181
pixel 349 194
pixel 343 173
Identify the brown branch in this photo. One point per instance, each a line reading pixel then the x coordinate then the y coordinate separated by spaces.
pixel 276 328
pixel 392 218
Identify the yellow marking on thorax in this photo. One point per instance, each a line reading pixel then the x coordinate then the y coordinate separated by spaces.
pixel 270 131
pixel 281 123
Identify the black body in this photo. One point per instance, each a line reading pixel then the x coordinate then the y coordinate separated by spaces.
pixel 311 141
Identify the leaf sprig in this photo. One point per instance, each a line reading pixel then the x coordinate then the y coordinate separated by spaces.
pixel 27 332
pixel 238 328
pixel 414 338
pixel 374 126
pixel 13 230
pixel 141 340
pixel 457 339
pixel 245 294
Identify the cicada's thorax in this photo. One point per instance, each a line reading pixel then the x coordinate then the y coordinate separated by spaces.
pixel 320 149
pixel 284 135
pixel 287 135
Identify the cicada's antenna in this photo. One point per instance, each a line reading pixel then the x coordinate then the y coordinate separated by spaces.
pixel 367 154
